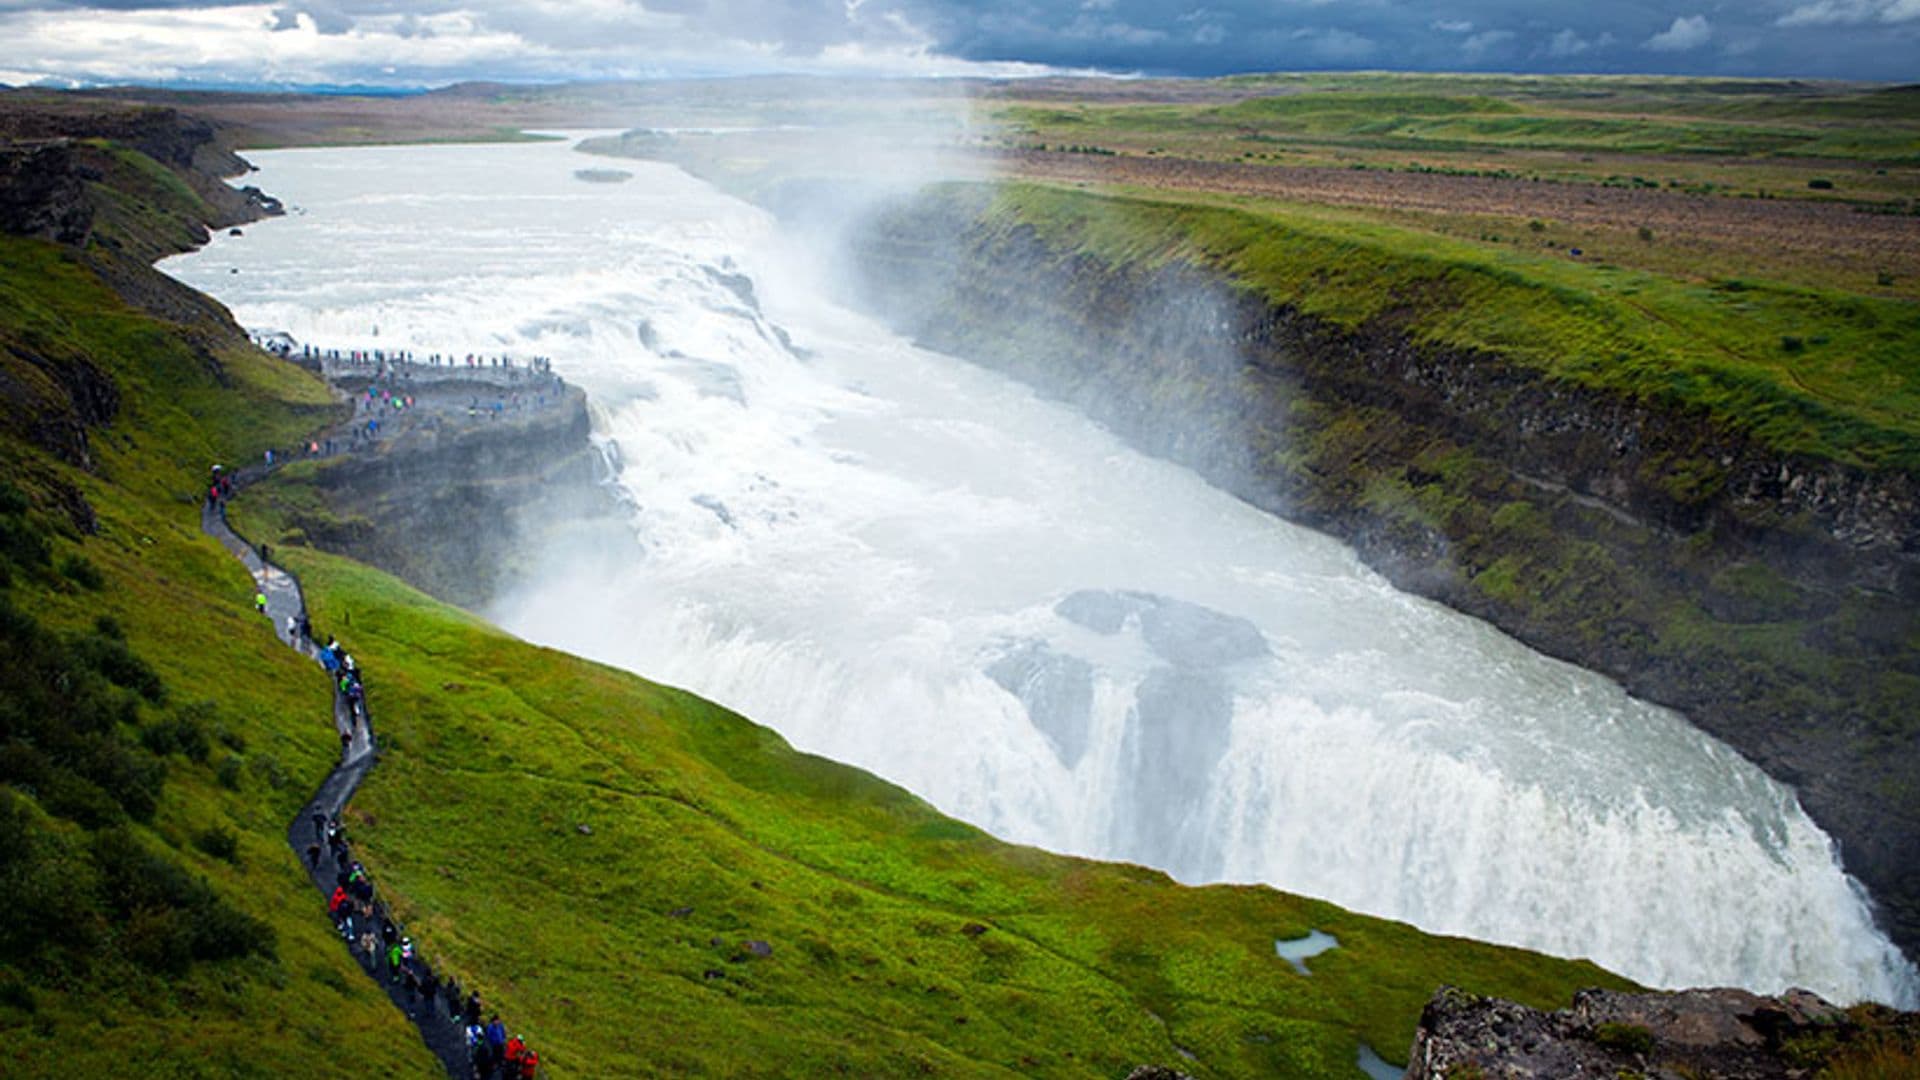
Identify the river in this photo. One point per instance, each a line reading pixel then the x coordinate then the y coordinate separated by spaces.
pixel 916 566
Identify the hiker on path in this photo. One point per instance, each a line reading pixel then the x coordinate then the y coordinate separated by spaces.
pixel 478 1050
pixel 260 601
pixel 496 1037
pixel 313 857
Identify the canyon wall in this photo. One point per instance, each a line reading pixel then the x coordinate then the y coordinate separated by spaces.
pixel 1770 598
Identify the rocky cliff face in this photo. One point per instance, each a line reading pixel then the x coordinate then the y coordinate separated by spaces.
pixel 1772 599
pixel 462 509
pixel 1605 1035
pixel 188 146
pixel 43 192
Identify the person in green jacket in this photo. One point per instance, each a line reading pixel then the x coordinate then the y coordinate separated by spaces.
pixel 260 601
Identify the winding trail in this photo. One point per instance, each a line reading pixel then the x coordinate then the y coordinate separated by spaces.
pixel 443 1033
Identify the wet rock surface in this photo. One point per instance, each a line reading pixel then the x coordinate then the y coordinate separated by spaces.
pixel 1057 690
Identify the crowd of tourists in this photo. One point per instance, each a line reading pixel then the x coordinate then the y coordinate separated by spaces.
pixel 363 922
pixel 284 346
pixel 386 951
pixel 393 358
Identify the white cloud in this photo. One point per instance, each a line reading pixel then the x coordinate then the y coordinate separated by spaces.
pixel 1850 13
pixel 315 41
pixel 1567 43
pixel 1477 45
pixel 1829 13
pixel 1088 28
pixel 1335 46
pixel 1687 32
pixel 1453 26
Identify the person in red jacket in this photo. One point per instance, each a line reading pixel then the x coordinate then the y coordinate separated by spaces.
pixel 516 1049
pixel 529 1064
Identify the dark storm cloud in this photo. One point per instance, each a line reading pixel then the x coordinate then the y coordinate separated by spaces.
pixel 439 40
pixel 1845 38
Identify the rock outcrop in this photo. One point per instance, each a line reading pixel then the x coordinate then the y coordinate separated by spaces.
pixel 462 510
pixel 1605 1035
pixel 116 186
pixel 43 192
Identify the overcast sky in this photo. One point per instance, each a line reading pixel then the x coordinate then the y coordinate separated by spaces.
pixel 433 42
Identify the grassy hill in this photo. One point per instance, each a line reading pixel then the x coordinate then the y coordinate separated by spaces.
pixel 1804 370
pixel 155 739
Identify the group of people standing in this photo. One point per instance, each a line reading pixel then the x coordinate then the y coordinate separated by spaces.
pixel 385 357
pixel 384 949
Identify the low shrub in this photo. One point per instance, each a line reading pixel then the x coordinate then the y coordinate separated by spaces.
pixel 219 842
pixel 80 570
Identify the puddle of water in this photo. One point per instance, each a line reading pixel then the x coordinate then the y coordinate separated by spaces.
pixel 1377 1067
pixel 1300 950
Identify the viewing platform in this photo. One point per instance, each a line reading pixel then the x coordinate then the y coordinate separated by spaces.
pixel 405 367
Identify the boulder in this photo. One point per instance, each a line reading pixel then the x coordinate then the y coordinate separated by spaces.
pixel 1605 1034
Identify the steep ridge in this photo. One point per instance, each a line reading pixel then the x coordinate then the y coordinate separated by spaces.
pixel 1767 594
pixel 158 926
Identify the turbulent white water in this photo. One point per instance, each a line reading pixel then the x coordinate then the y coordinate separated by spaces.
pixel 907 563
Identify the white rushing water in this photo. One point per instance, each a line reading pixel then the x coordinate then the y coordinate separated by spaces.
pixel 910 564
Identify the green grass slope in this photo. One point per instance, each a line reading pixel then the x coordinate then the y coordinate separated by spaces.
pixel 1828 374
pixel 154 740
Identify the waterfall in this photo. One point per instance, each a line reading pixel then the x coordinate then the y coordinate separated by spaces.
pixel 916 566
